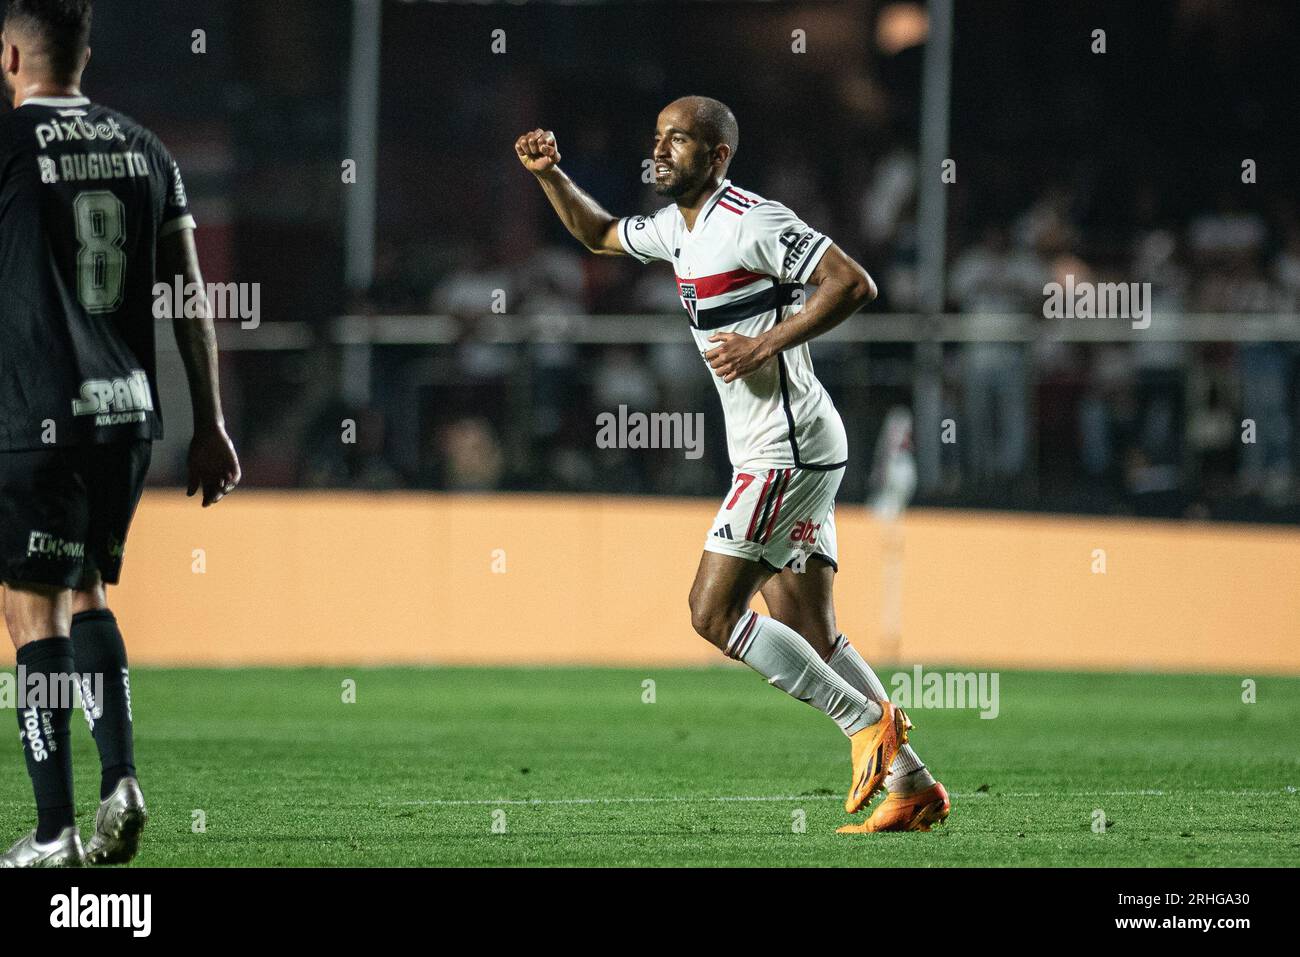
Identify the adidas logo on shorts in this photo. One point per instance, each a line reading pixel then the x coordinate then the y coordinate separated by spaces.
pixel 724 532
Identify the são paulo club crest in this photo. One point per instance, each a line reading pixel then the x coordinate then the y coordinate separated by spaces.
pixel 688 299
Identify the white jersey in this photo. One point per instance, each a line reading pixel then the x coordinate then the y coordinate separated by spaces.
pixel 742 269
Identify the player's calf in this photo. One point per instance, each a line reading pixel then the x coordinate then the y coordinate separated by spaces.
pixel 816 632
pixel 789 663
pixel 715 623
pixel 37 617
pixel 99 650
pixel 723 588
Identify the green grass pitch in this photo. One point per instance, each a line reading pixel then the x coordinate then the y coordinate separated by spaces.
pixel 582 772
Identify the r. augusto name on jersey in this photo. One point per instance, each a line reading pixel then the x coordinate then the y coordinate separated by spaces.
pixel 79 167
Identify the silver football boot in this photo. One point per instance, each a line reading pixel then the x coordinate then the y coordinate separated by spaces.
pixel 63 851
pixel 118 823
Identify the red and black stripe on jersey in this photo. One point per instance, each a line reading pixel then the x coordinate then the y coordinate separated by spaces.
pixel 706 287
pixel 736 201
pixel 732 200
pixel 773 295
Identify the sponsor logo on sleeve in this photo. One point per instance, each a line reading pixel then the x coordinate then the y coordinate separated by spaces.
pixel 796 243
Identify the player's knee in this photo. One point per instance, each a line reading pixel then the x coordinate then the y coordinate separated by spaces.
pixel 34 612
pixel 90 598
pixel 699 616
pixel 713 621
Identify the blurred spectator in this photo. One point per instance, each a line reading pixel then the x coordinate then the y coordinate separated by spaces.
pixel 346 449
pixel 479 283
pixel 991 278
pixel 622 377
pixel 471 456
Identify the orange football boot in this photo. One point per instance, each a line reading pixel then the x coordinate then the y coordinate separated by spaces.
pixel 910 812
pixel 874 749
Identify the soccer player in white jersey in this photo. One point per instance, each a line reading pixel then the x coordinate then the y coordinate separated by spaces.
pixel 741 263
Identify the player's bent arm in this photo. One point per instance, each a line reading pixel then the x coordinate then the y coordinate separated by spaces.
pixel 582 216
pixel 843 287
pixel 589 222
pixel 213 464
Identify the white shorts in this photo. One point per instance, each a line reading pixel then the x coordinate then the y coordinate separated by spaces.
pixel 780 517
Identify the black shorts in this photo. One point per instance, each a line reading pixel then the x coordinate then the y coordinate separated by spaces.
pixel 65 512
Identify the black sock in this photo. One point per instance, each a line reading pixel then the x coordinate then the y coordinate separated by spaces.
pixel 46 731
pixel 101 653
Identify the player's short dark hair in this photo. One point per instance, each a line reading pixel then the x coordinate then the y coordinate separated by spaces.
pixel 63 27
pixel 716 123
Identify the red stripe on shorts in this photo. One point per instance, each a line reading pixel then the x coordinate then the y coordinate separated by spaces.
pixel 777 511
pixel 758 505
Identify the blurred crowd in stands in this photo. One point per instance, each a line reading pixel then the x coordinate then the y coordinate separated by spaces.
pixel 1148 425
pixel 1123 167
pixel 1145 424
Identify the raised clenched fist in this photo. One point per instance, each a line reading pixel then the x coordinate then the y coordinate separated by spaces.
pixel 537 151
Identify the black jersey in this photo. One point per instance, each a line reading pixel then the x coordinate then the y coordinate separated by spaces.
pixel 85 194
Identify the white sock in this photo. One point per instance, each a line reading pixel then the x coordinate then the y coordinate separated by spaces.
pixel 907 773
pixel 788 662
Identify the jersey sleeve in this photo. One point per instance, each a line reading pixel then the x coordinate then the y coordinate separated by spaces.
pixel 176 205
pixel 776 242
pixel 644 237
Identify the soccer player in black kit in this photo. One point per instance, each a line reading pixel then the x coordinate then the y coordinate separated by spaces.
pixel 92 211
